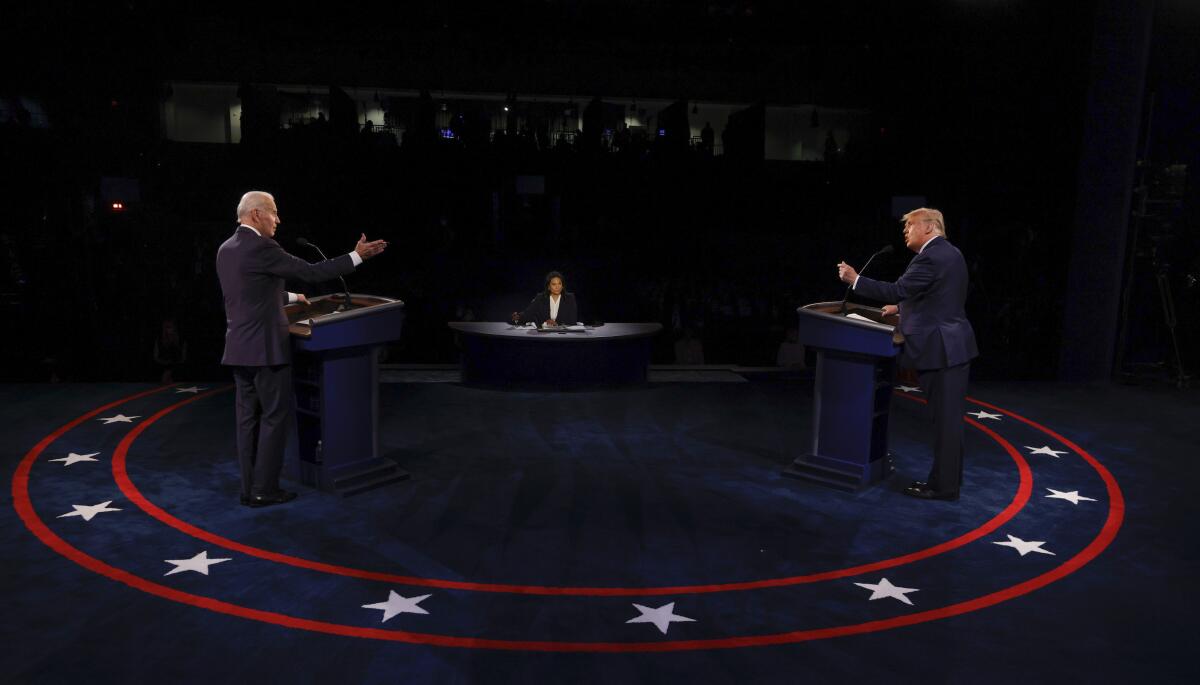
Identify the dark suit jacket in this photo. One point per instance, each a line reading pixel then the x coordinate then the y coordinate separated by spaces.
pixel 252 269
pixel 931 295
pixel 538 310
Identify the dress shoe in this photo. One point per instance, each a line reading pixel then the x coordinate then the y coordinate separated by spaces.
pixel 244 499
pixel 926 492
pixel 919 484
pixel 269 498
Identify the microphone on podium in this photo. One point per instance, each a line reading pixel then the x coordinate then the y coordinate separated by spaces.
pixel 886 249
pixel 304 242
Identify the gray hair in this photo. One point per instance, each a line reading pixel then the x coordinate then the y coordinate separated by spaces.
pixel 255 199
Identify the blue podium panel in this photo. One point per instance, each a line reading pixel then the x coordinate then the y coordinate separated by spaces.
pixel 335 355
pixel 855 350
pixel 499 354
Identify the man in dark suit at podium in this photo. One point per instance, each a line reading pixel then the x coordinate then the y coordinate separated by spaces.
pixel 938 340
pixel 252 267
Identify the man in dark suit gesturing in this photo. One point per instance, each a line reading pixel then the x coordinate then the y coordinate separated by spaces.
pixel 252 267
pixel 938 340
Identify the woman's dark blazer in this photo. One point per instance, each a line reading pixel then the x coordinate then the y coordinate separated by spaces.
pixel 538 310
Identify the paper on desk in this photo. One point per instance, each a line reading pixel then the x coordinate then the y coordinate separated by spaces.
pixel 860 318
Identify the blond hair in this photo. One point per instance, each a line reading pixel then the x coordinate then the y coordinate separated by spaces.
pixel 933 216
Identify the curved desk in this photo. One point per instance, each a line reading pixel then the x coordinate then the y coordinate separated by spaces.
pixel 501 354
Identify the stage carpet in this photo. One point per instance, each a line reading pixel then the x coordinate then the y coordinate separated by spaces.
pixel 620 536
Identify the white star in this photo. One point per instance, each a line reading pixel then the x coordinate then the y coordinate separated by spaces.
pixel 884 588
pixel 88 512
pixel 119 418
pixel 72 458
pixel 907 388
pixel 1044 450
pixel 662 617
pixel 192 390
pixel 984 415
pixel 397 604
pixel 1024 546
pixel 198 563
pixel 1073 496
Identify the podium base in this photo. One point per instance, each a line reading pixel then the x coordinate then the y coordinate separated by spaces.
pixel 838 474
pixel 352 478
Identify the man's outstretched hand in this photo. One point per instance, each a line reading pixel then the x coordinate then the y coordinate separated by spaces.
pixel 846 273
pixel 366 250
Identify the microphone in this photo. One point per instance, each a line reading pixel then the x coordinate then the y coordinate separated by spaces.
pixel 886 249
pixel 304 242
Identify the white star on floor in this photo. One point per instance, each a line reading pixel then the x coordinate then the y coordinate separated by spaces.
pixel 662 617
pixel 192 390
pixel 198 563
pixel 90 511
pixel 74 458
pixel 119 418
pixel 884 588
pixel 1073 496
pixel 907 388
pixel 398 604
pixel 1044 450
pixel 984 415
pixel 1024 546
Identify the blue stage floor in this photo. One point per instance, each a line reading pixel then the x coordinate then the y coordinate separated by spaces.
pixel 641 535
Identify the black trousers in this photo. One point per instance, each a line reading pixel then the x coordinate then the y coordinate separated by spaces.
pixel 264 417
pixel 946 390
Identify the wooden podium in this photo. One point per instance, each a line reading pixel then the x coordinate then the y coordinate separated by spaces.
pixel 335 375
pixel 855 364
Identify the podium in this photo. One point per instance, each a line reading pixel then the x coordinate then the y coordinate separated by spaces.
pixel 335 376
pixel 855 365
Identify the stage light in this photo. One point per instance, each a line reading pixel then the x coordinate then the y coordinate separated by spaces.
pixel 118 206
pixel 506 108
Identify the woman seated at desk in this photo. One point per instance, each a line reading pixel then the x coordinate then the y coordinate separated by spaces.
pixel 551 307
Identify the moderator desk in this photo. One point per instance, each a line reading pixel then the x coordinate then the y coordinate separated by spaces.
pixel 500 354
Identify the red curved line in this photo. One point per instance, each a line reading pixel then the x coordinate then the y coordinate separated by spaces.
pixel 1116 499
pixel 20 484
pixel 38 528
pixel 130 490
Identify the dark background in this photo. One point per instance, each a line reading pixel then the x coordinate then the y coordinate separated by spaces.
pixel 981 107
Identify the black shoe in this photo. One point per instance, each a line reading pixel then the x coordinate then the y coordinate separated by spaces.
pixel 919 484
pixel 926 492
pixel 267 499
pixel 244 499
